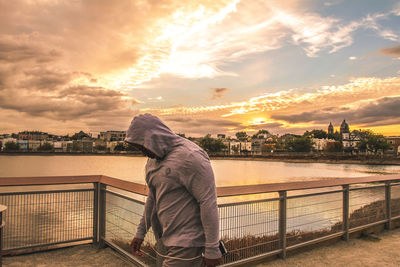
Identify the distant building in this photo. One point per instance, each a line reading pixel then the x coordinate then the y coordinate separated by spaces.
pixel 221 136
pixel 238 147
pixel 32 135
pixel 85 146
pixel 395 142
pixel 62 146
pixel 350 140
pixel 344 128
pixel 321 144
pixel 111 145
pixel 69 146
pixel 234 147
pixel 110 136
pixel 81 135
pixel 22 145
pixel 34 145
pixel 262 143
pixel 330 128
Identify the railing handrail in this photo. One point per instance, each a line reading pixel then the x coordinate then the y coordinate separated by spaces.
pixel 224 191
pixel 132 187
pixel 49 180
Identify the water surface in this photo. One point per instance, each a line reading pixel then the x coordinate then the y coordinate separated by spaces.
pixel 227 172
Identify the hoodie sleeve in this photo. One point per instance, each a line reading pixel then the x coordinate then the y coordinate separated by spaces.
pixel 202 187
pixel 145 221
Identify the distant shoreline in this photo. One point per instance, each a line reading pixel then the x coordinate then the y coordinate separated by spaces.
pixel 138 154
pixel 287 157
pixel 316 160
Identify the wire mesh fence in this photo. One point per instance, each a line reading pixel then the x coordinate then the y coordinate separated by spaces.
pixel 122 217
pixel 313 216
pixel 249 228
pixel 42 218
pixel 367 205
pixel 395 200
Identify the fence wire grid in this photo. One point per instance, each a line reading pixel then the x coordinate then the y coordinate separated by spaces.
pixel 367 205
pixel 310 217
pixel 249 229
pixel 34 219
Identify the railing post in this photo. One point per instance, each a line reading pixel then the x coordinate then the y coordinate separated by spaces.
pixel 102 214
pixel 99 215
pixel 346 207
pixel 96 214
pixel 282 222
pixel 388 199
pixel 2 208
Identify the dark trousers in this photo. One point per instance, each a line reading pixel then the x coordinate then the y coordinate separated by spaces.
pixel 170 255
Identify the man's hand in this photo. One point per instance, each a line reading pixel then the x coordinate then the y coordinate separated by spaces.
pixel 136 243
pixel 211 262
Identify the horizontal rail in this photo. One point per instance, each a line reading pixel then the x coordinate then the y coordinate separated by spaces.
pixel 252 259
pixel 315 194
pixel 227 191
pixel 124 253
pixel 132 187
pixel 48 180
pixel 46 192
pixel 367 187
pixel 224 191
pixel 124 197
pixel 48 244
pixel 316 240
pixel 247 202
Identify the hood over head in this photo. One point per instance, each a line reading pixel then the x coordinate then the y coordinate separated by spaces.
pixel 150 132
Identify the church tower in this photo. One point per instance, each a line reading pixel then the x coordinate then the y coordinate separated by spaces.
pixel 344 128
pixel 330 128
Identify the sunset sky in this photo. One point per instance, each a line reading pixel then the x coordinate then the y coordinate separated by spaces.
pixel 202 66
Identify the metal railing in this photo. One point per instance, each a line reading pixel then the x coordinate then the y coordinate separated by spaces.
pixel 2 209
pixel 256 221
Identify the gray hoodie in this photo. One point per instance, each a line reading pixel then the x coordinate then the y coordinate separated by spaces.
pixel 182 205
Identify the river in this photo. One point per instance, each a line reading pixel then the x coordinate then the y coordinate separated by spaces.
pixel 227 172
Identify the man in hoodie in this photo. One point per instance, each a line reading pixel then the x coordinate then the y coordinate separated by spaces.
pixel 182 205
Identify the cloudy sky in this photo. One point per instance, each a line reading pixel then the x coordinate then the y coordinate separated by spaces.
pixel 202 66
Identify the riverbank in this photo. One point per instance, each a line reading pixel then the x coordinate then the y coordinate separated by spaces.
pixel 295 158
pixel 337 158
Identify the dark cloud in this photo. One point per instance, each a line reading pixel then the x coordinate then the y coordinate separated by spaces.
pixel 266 126
pixel 383 111
pixel 203 122
pixel 218 92
pixel 12 51
pixel 89 91
pixel 195 126
pixel 44 80
pixel 391 51
pixel 67 104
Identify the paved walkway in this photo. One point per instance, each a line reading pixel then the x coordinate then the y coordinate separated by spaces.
pixel 381 251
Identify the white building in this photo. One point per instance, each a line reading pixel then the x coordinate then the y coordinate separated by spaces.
pixel 350 140
pixel 112 136
pixel 321 144
pixel 237 147
pixel 34 145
